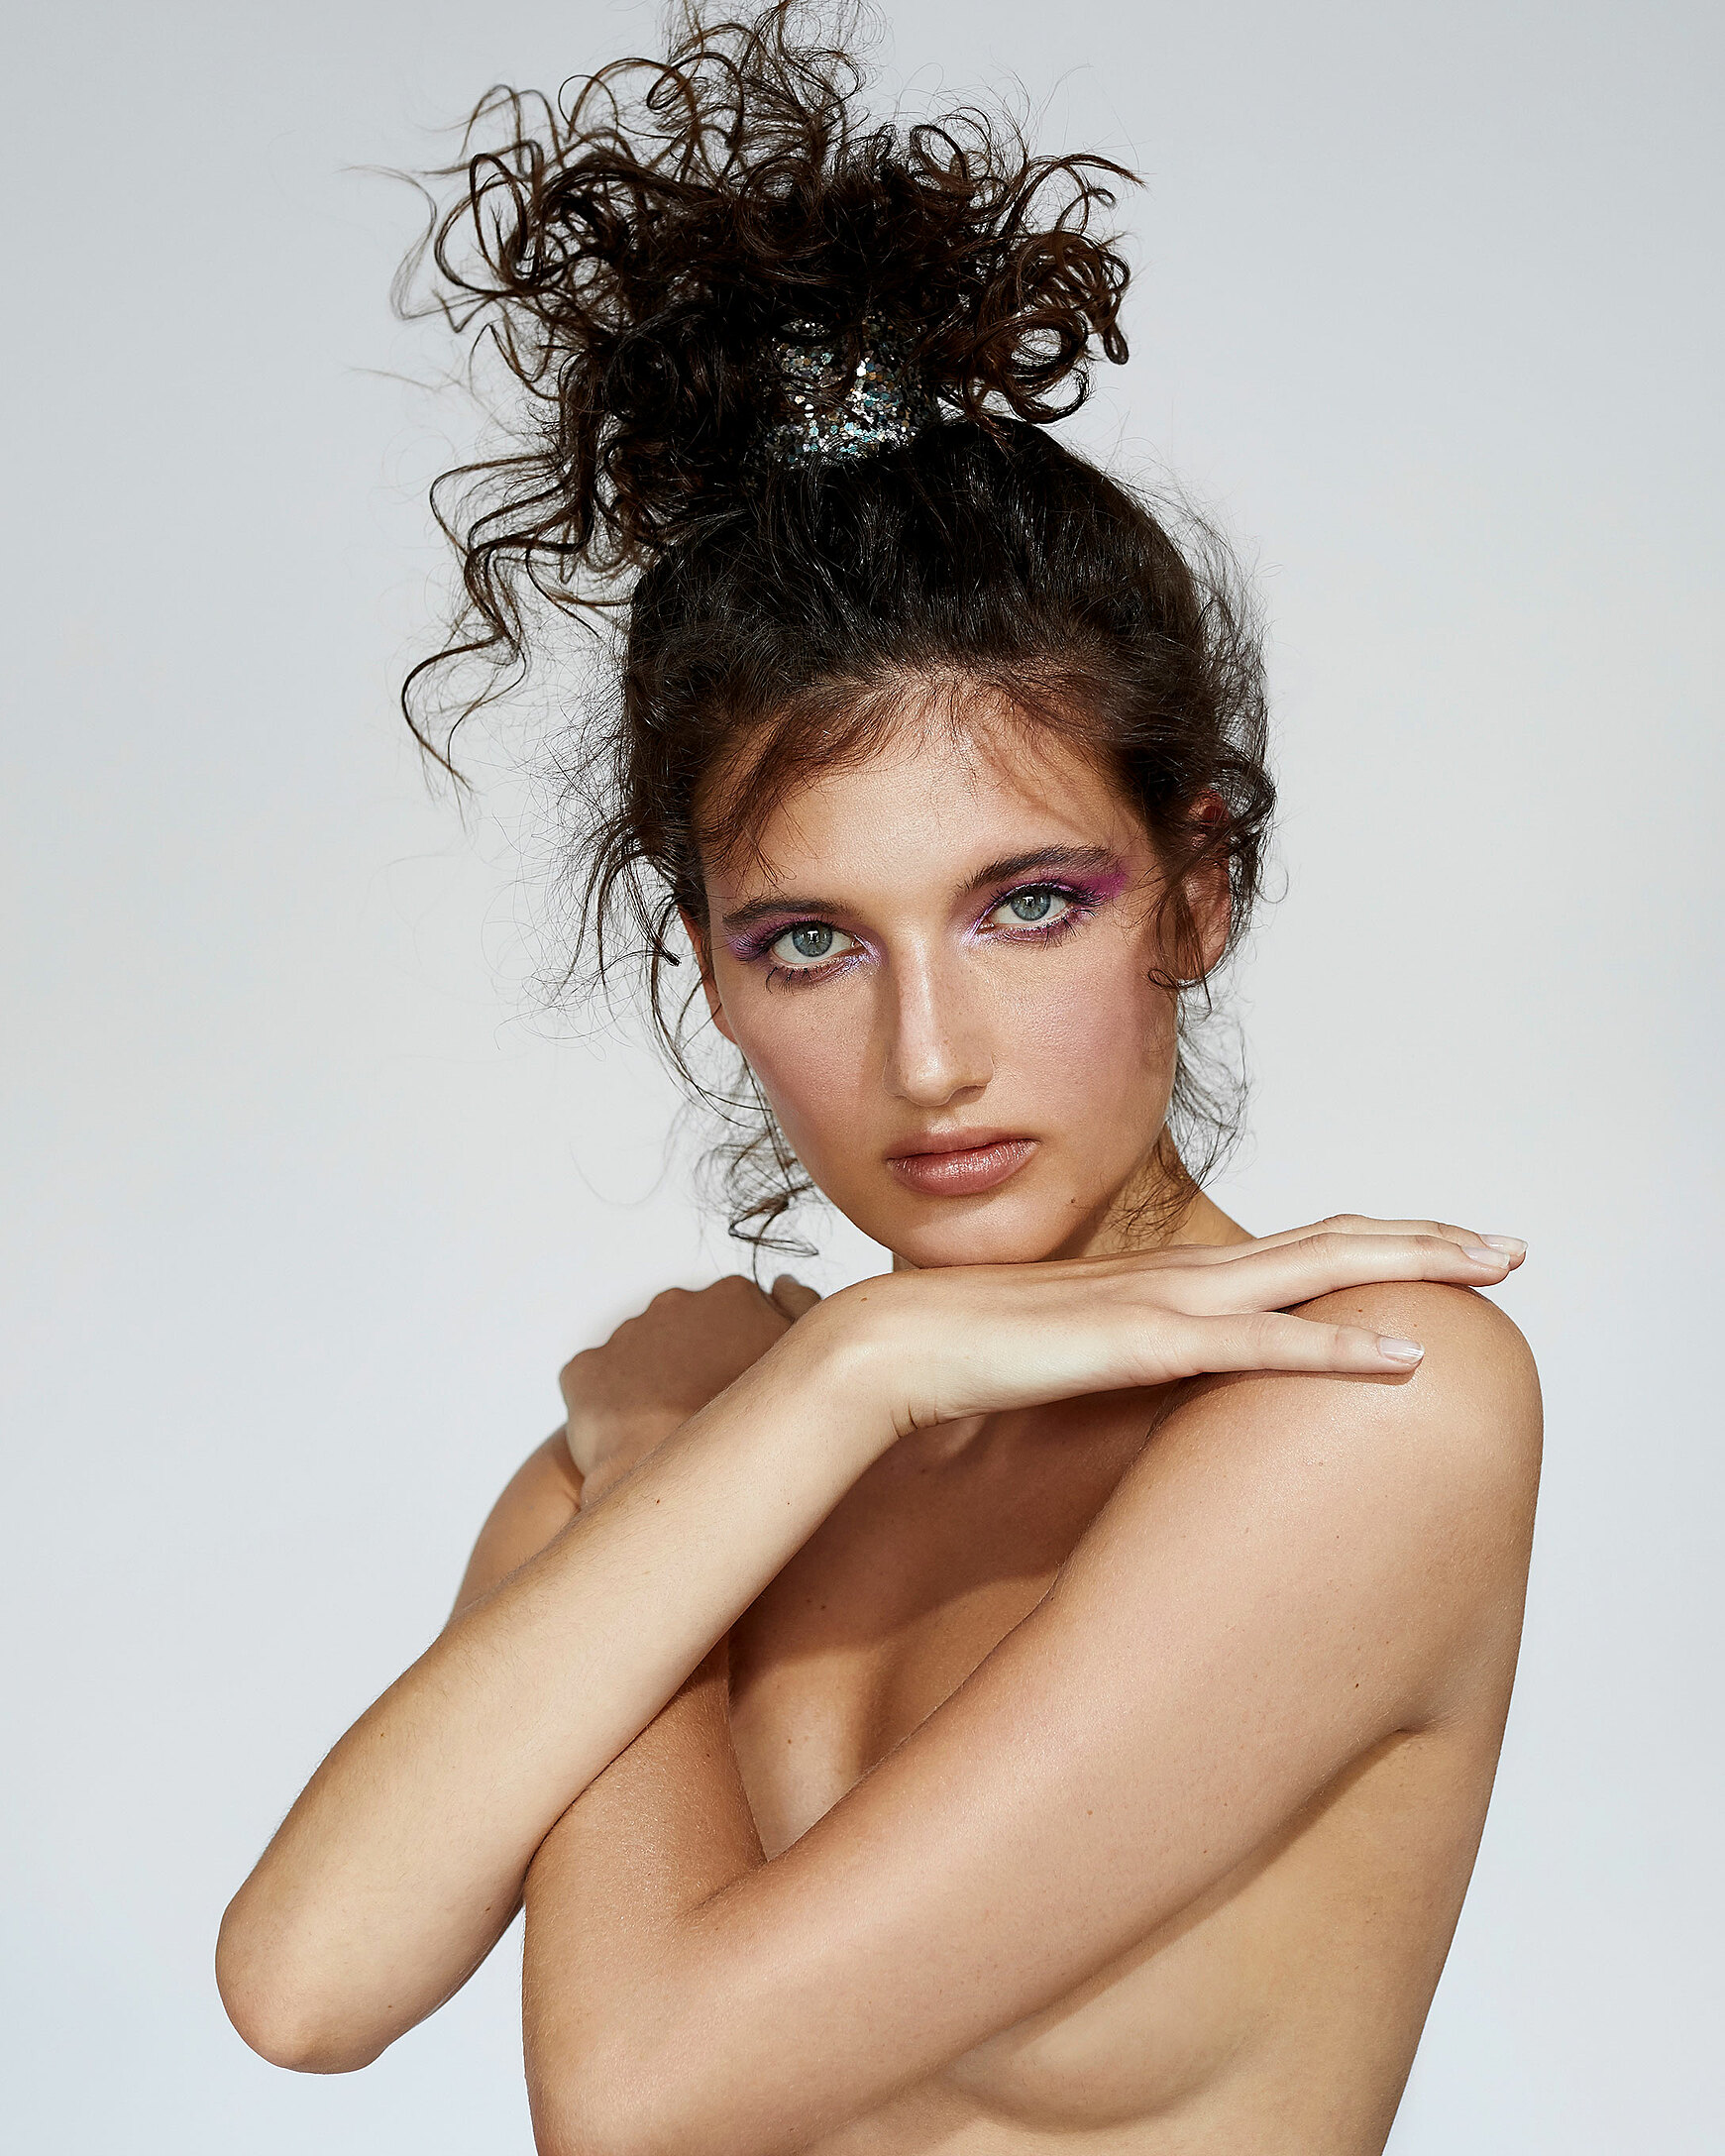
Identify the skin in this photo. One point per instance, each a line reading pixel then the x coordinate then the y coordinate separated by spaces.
pixel 939 1016
pixel 1047 1694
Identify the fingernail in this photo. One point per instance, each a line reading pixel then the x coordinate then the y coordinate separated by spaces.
pixel 1513 1246
pixel 1481 1256
pixel 1400 1351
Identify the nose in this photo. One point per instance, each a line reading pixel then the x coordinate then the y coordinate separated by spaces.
pixel 939 1049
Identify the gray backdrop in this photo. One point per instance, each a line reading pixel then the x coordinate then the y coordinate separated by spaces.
pixel 307 1204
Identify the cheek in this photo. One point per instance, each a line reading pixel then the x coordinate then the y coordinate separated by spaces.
pixel 809 1059
pixel 1081 1042
pixel 1095 1037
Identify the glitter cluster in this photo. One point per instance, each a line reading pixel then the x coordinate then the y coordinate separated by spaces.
pixel 838 410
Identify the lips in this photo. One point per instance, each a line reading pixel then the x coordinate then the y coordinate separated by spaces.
pixel 962 1164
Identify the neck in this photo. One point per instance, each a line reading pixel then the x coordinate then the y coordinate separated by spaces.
pixel 1159 1208
pixel 1204 1222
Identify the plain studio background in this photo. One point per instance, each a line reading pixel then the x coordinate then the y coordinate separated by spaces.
pixel 308 1205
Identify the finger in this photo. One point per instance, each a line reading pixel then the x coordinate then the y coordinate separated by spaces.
pixel 1273 1340
pixel 1351 1224
pixel 1320 1263
pixel 1512 1247
pixel 792 1296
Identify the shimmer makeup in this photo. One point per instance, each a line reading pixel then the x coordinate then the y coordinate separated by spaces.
pixel 808 946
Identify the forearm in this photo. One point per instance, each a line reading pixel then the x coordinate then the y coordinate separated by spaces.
pixel 404 1855
pixel 664 1827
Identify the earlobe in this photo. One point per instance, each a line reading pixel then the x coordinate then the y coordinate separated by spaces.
pixel 1196 937
pixel 698 944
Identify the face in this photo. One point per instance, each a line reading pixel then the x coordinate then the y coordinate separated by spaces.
pixel 939 970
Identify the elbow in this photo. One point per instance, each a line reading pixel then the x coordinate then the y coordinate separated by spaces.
pixel 298 2045
pixel 279 2017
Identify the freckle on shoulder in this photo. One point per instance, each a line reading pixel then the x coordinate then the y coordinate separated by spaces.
pixel 1476 1394
pixel 1459 1326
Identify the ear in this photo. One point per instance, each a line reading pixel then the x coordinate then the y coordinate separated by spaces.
pixel 1212 911
pixel 1208 892
pixel 697 942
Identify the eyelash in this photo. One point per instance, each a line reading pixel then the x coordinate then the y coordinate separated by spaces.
pixel 1080 905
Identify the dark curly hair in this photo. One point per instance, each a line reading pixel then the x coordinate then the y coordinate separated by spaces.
pixel 630 253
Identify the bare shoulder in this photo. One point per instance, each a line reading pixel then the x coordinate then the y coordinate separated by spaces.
pixel 1429 1480
pixel 1476 1395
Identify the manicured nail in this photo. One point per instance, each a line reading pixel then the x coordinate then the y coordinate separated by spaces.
pixel 1400 1351
pixel 1512 1245
pixel 1480 1256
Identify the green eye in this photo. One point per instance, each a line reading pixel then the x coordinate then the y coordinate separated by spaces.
pixel 1031 907
pixel 808 943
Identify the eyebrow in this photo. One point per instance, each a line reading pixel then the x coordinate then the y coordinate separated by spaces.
pixel 1080 858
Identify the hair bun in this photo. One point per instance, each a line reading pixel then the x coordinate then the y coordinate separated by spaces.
pixel 635 250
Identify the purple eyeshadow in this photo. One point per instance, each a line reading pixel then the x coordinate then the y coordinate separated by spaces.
pixel 1085 894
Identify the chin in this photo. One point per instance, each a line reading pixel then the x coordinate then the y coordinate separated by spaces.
pixel 1004 1227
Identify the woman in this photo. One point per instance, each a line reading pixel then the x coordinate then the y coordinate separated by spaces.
pixel 1049 1694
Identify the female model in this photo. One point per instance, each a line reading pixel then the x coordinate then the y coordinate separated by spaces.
pixel 1046 1696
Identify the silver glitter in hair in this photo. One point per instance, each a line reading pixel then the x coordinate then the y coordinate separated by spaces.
pixel 838 410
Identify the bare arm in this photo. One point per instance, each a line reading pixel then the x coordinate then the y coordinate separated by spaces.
pixel 538 1502
pixel 398 1862
pixel 404 1855
pixel 1297 1567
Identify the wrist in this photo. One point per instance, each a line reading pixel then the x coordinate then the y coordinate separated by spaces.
pixel 848 1350
pixel 605 1443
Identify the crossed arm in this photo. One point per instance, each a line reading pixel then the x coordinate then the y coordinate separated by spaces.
pixel 1295 1566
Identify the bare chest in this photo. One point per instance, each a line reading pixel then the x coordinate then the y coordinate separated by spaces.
pixel 905 1588
pixel 881 1617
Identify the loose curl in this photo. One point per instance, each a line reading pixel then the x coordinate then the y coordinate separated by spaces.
pixel 629 253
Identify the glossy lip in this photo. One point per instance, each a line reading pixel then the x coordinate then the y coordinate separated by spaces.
pixel 962 1162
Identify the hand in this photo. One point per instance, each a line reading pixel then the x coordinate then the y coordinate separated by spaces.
pixel 657 1368
pixel 972 1340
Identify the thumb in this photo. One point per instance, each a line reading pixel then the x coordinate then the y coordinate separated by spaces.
pixel 791 1297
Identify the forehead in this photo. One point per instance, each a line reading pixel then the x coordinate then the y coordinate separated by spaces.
pixel 938 791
